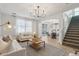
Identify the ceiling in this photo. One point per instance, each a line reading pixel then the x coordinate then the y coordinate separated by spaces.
pixel 26 9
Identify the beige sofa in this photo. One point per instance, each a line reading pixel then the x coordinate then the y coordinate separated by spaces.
pixel 24 36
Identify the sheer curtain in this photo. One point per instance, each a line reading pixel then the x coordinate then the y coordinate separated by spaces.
pixel 23 26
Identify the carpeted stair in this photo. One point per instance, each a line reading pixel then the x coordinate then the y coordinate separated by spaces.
pixel 72 36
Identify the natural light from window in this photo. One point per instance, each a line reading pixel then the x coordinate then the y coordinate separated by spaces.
pixel 23 26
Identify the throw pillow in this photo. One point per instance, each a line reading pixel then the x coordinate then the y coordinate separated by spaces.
pixel 6 39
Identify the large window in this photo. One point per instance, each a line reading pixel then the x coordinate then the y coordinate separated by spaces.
pixel 76 11
pixel 73 12
pixel 23 26
pixel 44 29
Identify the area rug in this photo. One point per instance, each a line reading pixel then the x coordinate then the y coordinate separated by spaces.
pixel 49 50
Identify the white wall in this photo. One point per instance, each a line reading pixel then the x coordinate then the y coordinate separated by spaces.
pixel 57 17
pixel 0 23
pixel 5 18
pixel 63 24
pixel 50 25
pixel 36 24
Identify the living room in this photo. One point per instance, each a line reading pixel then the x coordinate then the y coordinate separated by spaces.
pixel 35 29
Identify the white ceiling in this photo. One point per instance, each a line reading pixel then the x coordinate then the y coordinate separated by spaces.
pixel 26 9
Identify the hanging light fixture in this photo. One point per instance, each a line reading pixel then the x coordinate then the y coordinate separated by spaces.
pixel 39 12
pixel 8 24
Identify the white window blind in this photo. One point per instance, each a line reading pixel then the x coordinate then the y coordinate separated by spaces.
pixel 23 26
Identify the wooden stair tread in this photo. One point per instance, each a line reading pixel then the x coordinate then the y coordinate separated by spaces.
pixel 77 35
pixel 72 33
pixel 71 43
pixel 73 30
pixel 72 37
pixel 75 41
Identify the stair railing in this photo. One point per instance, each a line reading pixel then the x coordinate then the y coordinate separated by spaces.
pixel 65 28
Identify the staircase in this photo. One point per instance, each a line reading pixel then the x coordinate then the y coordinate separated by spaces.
pixel 72 36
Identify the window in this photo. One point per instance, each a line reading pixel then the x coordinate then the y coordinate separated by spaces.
pixel 76 11
pixel 44 29
pixel 23 26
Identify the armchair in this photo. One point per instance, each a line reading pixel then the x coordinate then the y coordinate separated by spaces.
pixel 37 42
pixel 15 50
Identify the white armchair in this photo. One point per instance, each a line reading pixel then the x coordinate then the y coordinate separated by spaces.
pixel 4 46
pixel 14 50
